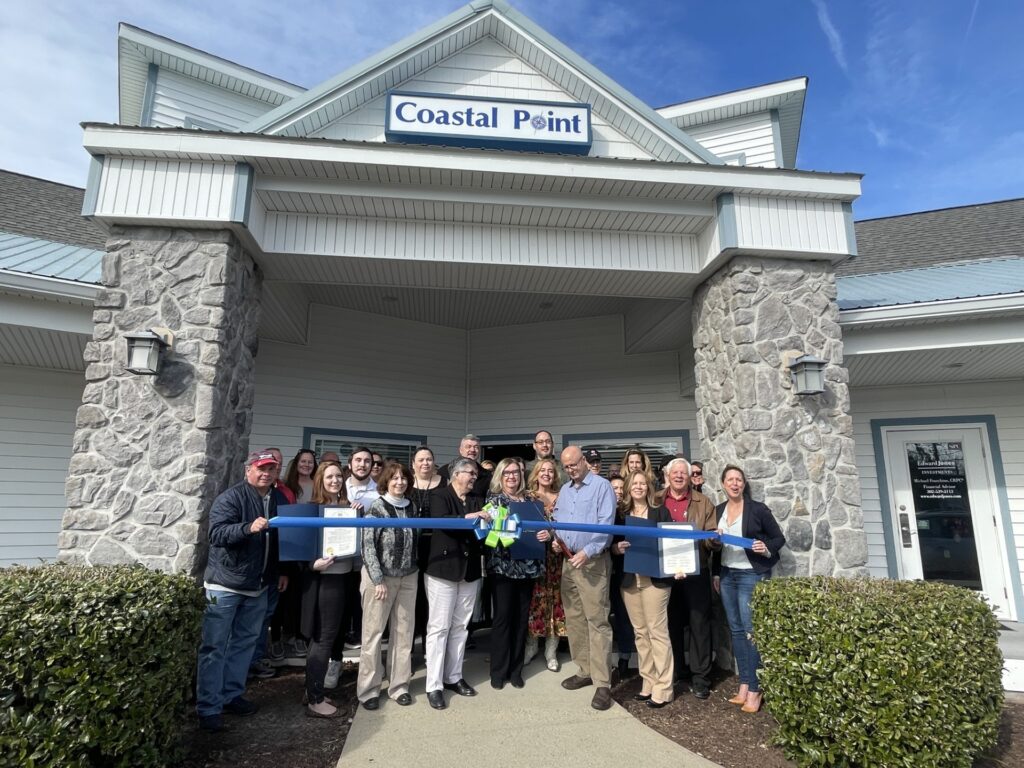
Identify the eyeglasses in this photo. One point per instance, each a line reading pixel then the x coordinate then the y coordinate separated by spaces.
pixel 572 464
pixel 378 463
pixel 510 473
pixel 696 473
pixel 467 472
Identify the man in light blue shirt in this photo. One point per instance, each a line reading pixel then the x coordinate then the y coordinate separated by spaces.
pixel 587 498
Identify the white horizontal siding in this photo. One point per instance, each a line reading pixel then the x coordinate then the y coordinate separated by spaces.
pixel 791 224
pixel 178 97
pixel 166 189
pixel 572 377
pixel 750 136
pixel 488 244
pixel 484 69
pixel 364 372
pixel 37 418
pixel 999 399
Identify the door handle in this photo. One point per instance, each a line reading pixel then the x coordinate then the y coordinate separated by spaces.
pixel 905 530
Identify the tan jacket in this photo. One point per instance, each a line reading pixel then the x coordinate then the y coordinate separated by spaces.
pixel 701 512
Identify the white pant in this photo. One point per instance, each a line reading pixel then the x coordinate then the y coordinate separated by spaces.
pixel 451 607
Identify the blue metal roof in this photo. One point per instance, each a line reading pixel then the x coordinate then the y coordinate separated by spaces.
pixel 49 259
pixel 989 277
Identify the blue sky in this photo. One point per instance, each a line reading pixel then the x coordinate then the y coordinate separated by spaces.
pixel 924 97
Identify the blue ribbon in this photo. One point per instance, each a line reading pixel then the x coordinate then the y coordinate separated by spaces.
pixel 481 527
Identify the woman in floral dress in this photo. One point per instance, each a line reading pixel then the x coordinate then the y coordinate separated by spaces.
pixel 547 619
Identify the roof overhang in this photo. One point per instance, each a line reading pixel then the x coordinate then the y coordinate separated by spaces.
pixel 138 48
pixel 785 97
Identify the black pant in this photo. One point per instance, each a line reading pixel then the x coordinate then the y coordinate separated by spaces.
pixel 690 604
pixel 330 608
pixel 622 627
pixel 287 615
pixel 511 620
pixel 352 619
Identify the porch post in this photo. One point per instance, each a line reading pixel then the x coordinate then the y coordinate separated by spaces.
pixel 151 452
pixel 750 319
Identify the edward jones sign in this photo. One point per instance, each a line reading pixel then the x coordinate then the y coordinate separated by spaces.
pixel 531 126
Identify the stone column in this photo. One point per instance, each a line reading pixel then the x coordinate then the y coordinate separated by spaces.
pixel 750 319
pixel 151 453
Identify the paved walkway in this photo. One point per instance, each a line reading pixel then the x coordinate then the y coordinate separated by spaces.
pixel 541 724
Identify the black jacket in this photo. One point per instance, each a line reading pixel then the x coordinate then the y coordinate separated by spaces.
pixel 239 559
pixel 758 523
pixel 454 555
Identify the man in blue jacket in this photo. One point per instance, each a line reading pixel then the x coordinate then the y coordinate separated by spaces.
pixel 241 563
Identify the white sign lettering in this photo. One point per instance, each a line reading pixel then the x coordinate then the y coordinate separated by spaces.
pixel 478 122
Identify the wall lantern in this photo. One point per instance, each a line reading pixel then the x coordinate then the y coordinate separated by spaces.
pixel 808 374
pixel 145 350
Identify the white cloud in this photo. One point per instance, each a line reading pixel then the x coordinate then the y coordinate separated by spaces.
pixel 835 41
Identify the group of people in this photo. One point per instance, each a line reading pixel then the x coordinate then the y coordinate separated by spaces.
pixel 428 582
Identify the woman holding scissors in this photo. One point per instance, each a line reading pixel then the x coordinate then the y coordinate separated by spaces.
pixel 646 600
pixel 737 571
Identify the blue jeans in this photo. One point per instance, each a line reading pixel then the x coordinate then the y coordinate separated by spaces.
pixel 231 625
pixel 737 587
pixel 261 642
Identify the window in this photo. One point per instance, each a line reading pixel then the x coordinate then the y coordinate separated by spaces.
pixel 659 446
pixel 398 447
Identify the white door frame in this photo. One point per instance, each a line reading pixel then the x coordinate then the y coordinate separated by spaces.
pixel 997 564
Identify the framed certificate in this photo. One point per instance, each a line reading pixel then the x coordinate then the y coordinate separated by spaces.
pixel 339 542
pixel 678 555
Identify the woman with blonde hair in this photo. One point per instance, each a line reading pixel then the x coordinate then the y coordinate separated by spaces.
pixel 646 600
pixel 512 582
pixel 546 618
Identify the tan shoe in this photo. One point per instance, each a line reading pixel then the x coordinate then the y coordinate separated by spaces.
pixel 753 703
pixel 741 696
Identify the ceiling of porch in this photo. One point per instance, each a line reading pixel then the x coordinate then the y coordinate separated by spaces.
pixel 931 366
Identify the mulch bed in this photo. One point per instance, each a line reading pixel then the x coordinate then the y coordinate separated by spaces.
pixel 725 735
pixel 280 734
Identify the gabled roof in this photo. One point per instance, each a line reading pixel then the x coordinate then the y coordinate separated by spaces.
pixel 137 49
pixel 965 233
pixel 373 77
pixel 784 96
pixel 990 277
pixel 46 210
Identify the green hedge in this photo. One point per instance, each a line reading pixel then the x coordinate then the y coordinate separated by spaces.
pixel 95 665
pixel 879 673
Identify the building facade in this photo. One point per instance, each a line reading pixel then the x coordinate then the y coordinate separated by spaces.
pixel 476 230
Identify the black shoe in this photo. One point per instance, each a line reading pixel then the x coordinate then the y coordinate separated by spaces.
pixel 497 683
pixel 404 700
pixel 241 707
pixel 371 704
pixel 576 682
pixel 657 704
pixel 641 697
pixel 436 699
pixel 602 699
pixel 517 681
pixel 461 687
pixel 702 692
pixel 211 723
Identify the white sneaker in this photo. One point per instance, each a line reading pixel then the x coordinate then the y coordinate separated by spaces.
pixel 333 673
pixel 551 653
pixel 531 649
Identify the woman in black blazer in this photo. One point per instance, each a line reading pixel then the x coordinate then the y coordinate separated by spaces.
pixel 646 600
pixel 737 571
pixel 452 578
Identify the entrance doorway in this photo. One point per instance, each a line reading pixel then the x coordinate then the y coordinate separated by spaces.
pixel 945 510
pixel 495 451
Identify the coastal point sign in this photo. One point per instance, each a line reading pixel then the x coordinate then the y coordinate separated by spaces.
pixel 459 121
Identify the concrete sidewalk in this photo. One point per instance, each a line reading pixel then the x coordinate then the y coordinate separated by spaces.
pixel 541 724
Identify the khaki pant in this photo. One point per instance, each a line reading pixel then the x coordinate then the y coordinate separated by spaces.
pixel 586 606
pixel 400 607
pixel 647 606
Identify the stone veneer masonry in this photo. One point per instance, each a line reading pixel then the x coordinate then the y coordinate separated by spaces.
pixel 750 319
pixel 151 453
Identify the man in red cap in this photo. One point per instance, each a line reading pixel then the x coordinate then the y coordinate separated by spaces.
pixel 242 562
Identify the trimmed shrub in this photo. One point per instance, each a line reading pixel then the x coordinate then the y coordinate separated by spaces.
pixel 95 665
pixel 879 673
